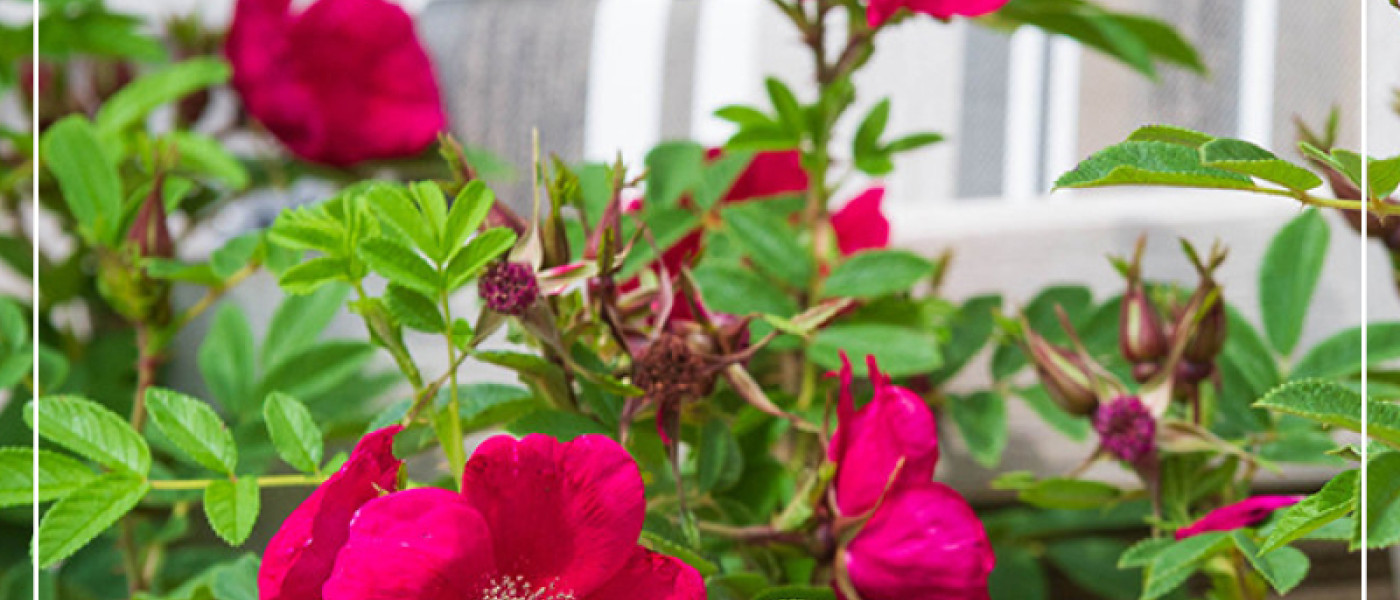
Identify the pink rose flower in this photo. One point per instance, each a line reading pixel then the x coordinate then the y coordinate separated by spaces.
pixel 1240 514
pixel 923 543
pixel 537 518
pixel 881 10
pixel 341 82
pixel 861 224
pixel 869 443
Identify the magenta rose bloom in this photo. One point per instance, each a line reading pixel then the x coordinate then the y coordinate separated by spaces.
pixel 1244 513
pixel 861 224
pixel 881 10
pixel 537 519
pixel 341 82
pixel 923 543
pixel 869 443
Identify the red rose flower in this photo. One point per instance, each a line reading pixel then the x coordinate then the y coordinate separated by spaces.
pixel 861 224
pixel 536 519
pixel 1240 514
pixel 341 82
pixel 881 10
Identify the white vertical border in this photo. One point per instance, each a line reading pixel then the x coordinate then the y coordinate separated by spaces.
pixel 1024 102
pixel 1364 241
pixel 1062 112
pixel 1258 43
pixel 726 65
pixel 34 302
pixel 626 74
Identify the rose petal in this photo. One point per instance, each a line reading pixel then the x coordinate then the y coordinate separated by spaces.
pixel 343 82
pixel 881 10
pixel 860 224
pixel 560 512
pixel 424 544
pixel 923 543
pixel 651 576
pixel 870 443
pixel 302 554
pixel 768 174
pixel 1240 514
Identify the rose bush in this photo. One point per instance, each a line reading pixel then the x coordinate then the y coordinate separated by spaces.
pixel 686 420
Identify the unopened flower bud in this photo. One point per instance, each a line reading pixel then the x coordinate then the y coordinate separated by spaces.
pixel 509 288
pixel 1064 374
pixel 1189 372
pixel 1209 337
pixel 1140 334
pixel 1126 428
pixel 150 232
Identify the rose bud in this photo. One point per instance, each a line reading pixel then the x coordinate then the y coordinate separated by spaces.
pixel 1209 337
pixel 1064 374
pixel 1141 337
pixel 150 232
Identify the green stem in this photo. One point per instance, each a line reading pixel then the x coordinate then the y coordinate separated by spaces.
pixel 379 332
pixel 174 485
pixel 451 438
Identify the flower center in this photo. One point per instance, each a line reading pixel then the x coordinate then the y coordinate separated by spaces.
pixel 516 588
pixel 669 371
pixel 1126 427
pixel 508 288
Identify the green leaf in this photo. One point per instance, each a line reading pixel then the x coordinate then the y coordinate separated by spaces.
pixel 468 211
pixel 913 141
pixel 765 238
pixel 314 274
pixel 1150 163
pixel 1288 276
pixel 394 205
pixel 132 103
pixel 1334 501
pixel 237 580
pixel 1384 175
pixel 1340 355
pixel 718 176
pixel 432 203
pixel 797 592
pixel 294 433
pixel 1383 500
pixel 1170 134
pixel 1018 575
pixel 232 508
pixel 298 322
pixel 1143 552
pixel 481 250
pixel 316 370
pixel 562 425
pixel 869 156
pixel 1332 403
pixel 901 351
pixel 719 461
pixel 1283 568
pixel 413 309
pixel 194 427
pixel 92 431
pixel 59 476
pixel 981 418
pixel 735 290
pixel 226 359
pixel 786 104
pixel 1089 562
pixel 234 255
pixel 400 265
pixel 84 514
pixel 876 273
pixel 203 155
pixel 1245 158
pixel 658 543
pixel 91 187
pixel 673 168
pixel 1063 492
pixel 1175 563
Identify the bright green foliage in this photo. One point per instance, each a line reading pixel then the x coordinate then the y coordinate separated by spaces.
pixel 194 427
pixel 232 508
pixel 294 433
pixel 88 179
pixel 91 431
pixel 79 517
pixel 875 273
pixel 1289 275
